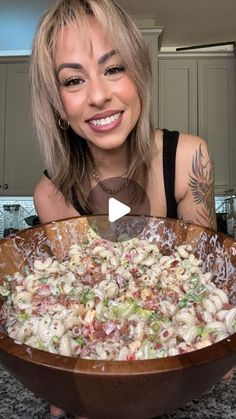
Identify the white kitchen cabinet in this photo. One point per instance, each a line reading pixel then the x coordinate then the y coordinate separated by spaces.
pixel 198 95
pixel 20 164
pixel 178 94
pixel 217 116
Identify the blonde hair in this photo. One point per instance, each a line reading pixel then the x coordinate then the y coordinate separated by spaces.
pixel 63 152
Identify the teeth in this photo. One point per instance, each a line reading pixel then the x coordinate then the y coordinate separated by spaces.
pixel 105 121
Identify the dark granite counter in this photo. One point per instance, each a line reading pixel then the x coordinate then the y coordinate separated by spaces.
pixel 17 402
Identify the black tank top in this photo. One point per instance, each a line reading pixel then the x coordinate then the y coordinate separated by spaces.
pixel 170 141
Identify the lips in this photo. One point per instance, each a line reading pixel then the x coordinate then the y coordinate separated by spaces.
pixel 105 120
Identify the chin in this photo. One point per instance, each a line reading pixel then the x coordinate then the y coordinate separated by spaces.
pixel 107 144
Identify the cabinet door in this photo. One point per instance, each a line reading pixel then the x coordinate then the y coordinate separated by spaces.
pixel 2 121
pixel 22 161
pixel 178 94
pixel 217 116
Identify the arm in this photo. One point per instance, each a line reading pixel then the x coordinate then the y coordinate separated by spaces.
pixel 50 203
pixel 195 185
pixel 195 181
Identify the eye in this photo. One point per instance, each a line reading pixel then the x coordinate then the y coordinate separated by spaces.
pixel 72 81
pixel 114 69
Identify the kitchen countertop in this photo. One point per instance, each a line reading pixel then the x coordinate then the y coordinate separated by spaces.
pixel 17 402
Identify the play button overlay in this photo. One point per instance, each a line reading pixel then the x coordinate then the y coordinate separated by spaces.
pixel 116 210
pixel 125 208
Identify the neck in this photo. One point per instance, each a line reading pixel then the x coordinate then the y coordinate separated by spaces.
pixel 110 163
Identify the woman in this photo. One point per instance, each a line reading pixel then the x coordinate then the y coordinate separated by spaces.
pixel 92 107
pixel 91 81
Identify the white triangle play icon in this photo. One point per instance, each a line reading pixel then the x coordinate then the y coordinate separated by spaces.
pixel 117 209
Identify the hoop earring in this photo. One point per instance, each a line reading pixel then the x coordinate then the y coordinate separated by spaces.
pixel 63 124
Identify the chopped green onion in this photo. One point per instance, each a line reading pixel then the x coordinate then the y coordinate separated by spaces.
pixel 86 296
pixel 55 339
pixel 24 316
pixel 80 340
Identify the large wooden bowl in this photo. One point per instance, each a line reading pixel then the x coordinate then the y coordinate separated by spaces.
pixel 120 389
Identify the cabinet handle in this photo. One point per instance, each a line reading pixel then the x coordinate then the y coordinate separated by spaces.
pixel 5 186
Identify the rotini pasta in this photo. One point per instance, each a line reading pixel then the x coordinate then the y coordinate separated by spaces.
pixel 120 301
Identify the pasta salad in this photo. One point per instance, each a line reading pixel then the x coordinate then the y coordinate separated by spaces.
pixel 116 301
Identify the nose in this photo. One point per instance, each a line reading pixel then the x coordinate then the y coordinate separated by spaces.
pixel 99 92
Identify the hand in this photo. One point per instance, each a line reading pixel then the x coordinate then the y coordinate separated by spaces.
pixel 56 412
pixel 228 377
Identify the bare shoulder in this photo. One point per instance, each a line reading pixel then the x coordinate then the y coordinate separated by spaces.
pixel 193 156
pixel 50 203
pixel 186 142
pixel 188 145
pixel 44 185
pixel 45 192
pixel 189 142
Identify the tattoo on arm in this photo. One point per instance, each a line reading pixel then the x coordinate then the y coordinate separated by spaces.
pixel 202 187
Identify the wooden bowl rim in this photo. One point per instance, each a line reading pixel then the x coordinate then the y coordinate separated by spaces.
pixel 136 367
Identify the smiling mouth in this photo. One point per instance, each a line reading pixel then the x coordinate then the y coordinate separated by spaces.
pixel 105 121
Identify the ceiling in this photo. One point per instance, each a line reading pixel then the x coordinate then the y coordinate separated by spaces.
pixel 185 22
pixel 188 22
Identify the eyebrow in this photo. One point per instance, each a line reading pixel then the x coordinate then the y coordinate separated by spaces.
pixel 102 60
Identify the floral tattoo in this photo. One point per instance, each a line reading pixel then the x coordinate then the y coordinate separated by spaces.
pixel 202 187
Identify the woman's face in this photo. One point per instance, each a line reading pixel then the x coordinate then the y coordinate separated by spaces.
pixel 100 99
